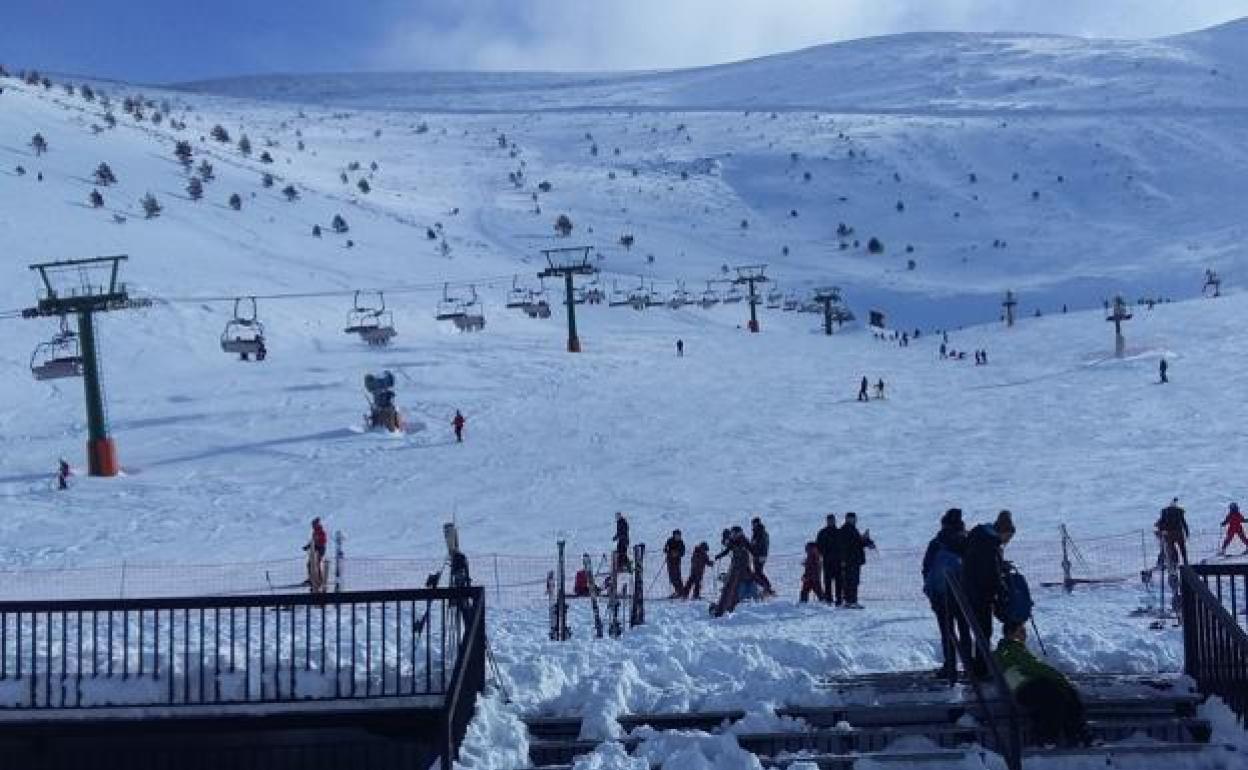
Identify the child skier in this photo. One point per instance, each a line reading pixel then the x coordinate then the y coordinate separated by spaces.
pixel 1234 523
pixel 698 562
pixel 812 574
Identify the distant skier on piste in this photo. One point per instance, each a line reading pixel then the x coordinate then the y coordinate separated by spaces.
pixel 673 553
pixel 62 474
pixel 1162 369
pixel 862 390
pixel 458 424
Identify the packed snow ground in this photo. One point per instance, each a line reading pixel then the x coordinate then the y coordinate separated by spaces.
pixel 1137 186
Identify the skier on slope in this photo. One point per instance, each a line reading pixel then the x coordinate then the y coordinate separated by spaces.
pixel 942 560
pixel 740 582
pixel 1172 527
pixel 879 388
pixel 458 424
pixel 680 348
pixel 760 547
pixel 862 390
pixel 854 545
pixel 62 474
pixel 1162 368
pixel 983 575
pixel 812 574
pixel 698 562
pixel 673 553
pixel 1234 523
pixel 316 557
pixel 828 541
pixel 620 562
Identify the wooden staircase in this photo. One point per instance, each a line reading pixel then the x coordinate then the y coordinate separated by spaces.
pixel 873 713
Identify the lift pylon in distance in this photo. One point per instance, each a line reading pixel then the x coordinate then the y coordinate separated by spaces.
pixel 568 262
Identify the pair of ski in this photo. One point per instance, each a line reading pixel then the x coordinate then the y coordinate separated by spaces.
pixel 614 627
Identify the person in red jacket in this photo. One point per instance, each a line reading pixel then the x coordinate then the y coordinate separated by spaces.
pixel 1234 523
pixel 812 573
pixel 458 425
pixel 316 557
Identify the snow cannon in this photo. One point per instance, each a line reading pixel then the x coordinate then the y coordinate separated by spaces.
pixel 382 413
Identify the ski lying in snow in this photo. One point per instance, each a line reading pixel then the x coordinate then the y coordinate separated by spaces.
pixel 614 628
pixel 637 610
pixel 593 595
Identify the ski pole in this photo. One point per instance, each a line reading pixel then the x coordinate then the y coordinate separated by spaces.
pixel 1039 638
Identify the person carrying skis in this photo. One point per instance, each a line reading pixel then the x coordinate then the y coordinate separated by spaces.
pixel 942 560
pixel 458 424
pixel 316 557
pixel 812 574
pixel 1234 523
pixel 698 562
pixel 760 547
pixel 854 545
pixel 862 390
pixel 620 561
pixel 673 552
pixel 828 540
pixel 983 576
pixel 1044 692
pixel 1172 526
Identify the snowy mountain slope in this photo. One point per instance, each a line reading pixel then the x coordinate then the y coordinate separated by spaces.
pixel 917 72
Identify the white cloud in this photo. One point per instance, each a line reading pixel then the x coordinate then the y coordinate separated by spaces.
pixel 648 34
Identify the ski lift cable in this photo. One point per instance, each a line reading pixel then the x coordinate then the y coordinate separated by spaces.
pixel 418 288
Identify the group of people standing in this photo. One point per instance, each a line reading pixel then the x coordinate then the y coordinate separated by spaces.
pixel 833 565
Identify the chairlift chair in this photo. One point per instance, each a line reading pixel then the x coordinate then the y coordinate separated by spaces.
pixel 791 303
pixel 449 308
pixel 679 298
pixel 471 316
pixel 58 358
pixel 594 293
pixel 639 298
pixel 733 295
pixel 374 325
pixel 710 297
pixel 653 299
pixel 537 308
pixel 775 298
pixel 619 297
pixel 519 298
pixel 244 335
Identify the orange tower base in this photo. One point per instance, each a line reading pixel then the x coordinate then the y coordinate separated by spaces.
pixel 102 457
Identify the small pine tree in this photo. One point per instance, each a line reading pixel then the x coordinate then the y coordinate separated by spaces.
pixel 900 207
pixel 220 134
pixel 104 175
pixel 626 241
pixel 96 199
pixel 265 157
pixel 364 186
pixel 151 207
pixel 205 171
pixel 874 246
pixel 110 119
pixel 236 202
pixel 195 188
pixel 291 193
pixel 244 145
pixel 87 93
pixel 316 231
pixel 267 180
pixel 545 186
pixel 38 144
pixel 563 225
pixel 183 151
pixel 339 224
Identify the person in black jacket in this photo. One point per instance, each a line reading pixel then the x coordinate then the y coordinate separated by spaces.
pixel 828 541
pixel 1172 527
pixel 673 552
pixel 854 545
pixel 760 547
pixel 944 555
pixel 983 575
pixel 621 543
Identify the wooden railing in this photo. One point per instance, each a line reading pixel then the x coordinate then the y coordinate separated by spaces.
pixel 1215 644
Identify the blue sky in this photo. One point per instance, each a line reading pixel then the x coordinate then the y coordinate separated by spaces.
pixel 169 40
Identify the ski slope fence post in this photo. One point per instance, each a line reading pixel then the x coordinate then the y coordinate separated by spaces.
pixel 339 560
pixel 498 588
pixel 1068 581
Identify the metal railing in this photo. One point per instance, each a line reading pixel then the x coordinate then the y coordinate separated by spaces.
pixel 1215 645
pixel 468 677
pixel 222 651
pixel 1011 749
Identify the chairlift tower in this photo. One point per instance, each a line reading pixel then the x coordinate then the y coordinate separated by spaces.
pixel 1212 281
pixel 751 275
pixel 568 262
pixel 1119 314
pixel 84 287
pixel 828 296
pixel 1009 304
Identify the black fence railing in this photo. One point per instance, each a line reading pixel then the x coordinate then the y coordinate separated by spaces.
pixel 1008 737
pixel 1215 644
pixel 242 649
